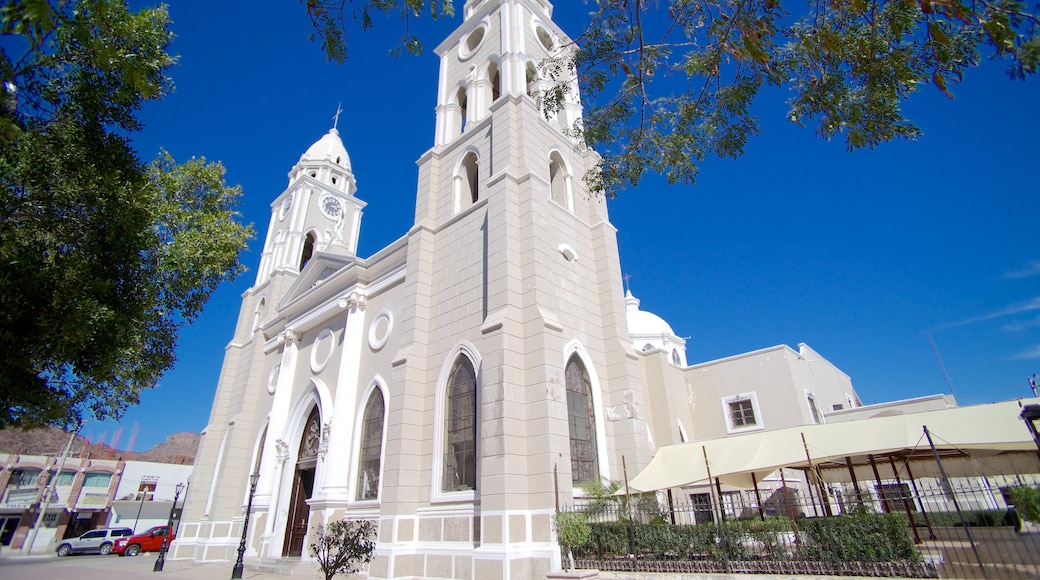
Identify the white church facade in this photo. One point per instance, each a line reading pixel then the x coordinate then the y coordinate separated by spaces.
pixel 448 385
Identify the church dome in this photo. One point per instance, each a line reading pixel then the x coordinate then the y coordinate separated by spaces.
pixel 329 148
pixel 642 323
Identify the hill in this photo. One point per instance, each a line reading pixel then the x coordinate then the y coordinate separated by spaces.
pixel 179 448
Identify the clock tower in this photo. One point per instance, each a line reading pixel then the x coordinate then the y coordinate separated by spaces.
pixel 317 212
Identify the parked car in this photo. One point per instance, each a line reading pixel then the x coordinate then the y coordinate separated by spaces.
pixel 150 541
pixel 95 541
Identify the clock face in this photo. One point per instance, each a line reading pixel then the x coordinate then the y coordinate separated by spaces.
pixel 331 206
pixel 284 211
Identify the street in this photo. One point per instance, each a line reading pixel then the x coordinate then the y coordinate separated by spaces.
pixel 93 567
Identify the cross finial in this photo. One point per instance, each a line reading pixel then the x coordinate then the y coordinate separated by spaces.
pixel 335 118
pixel 628 287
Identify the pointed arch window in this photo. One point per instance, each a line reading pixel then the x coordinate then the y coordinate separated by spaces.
pixel 371 451
pixel 308 250
pixel 581 419
pixel 532 80
pixel 467 184
pixel 559 188
pixel 460 98
pixel 496 81
pixel 460 428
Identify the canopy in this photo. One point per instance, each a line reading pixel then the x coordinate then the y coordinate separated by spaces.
pixel 985 437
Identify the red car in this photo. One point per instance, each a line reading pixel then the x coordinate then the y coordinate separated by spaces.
pixel 150 541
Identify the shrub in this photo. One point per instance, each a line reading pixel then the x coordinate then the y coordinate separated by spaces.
pixel 343 546
pixel 1026 501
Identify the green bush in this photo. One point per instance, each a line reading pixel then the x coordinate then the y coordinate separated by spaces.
pixel 1026 501
pixel 974 518
pixel 859 538
pixel 863 537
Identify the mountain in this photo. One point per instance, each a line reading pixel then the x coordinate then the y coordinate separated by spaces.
pixel 179 448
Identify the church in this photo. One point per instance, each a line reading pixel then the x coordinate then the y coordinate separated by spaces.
pixel 457 384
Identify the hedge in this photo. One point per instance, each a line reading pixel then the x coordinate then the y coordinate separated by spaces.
pixel 862 537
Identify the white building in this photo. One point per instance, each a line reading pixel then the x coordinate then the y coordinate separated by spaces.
pixel 449 384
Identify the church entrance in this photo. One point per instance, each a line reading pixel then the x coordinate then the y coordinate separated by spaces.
pixel 302 488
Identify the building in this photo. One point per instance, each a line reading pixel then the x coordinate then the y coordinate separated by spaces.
pixel 84 495
pixel 457 384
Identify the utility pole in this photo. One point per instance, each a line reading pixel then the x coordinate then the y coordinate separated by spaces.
pixel 50 491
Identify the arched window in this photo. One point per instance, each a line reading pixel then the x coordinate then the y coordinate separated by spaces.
pixel 308 250
pixel 675 358
pixel 558 180
pixel 581 419
pixel 467 183
pixel 648 347
pixel 258 312
pixel 460 428
pixel 460 98
pixel 371 450
pixel 532 80
pixel 496 81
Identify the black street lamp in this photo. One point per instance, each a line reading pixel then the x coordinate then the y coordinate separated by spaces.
pixel 236 572
pixel 169 530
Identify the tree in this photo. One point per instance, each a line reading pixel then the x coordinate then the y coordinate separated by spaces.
pixel 104 257
pixel 343 546
pixel 572 529
pixel 667 83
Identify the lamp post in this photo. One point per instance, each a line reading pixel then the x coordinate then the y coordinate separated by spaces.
pixel 236 572
pixel 169 530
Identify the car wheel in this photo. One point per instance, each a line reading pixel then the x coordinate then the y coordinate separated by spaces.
pixel 106 549
pixel 64 549
pixel 132 550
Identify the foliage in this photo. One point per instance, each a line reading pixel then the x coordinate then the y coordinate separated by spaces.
pixel 603 502
pixel 329 18
pixel 104 257
pixel 343 546
pixel 974 518
pixel 667 84
pixel 572 529
pixel 861 538
pixel 1027 502
pixel 864 538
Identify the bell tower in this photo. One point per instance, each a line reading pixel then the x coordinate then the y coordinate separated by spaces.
pixel 317 212
pixel 514 355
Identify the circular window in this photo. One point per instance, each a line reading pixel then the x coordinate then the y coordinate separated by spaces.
pixel 380 329
pixel 545 38
pixel 472 42
pixel 272 378
pixel 321 350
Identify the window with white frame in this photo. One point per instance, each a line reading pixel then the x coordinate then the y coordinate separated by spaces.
pixel 742 413
pixel 460 429
pixel 371 450
pixel 814 411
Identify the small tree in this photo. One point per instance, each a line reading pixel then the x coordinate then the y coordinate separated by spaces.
pixel 1027 502
pixel 572 529
pixel 343 546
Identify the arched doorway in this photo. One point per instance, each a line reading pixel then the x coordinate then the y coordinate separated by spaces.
pixel 302 487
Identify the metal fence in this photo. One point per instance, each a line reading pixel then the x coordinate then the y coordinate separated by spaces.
pixel 966 528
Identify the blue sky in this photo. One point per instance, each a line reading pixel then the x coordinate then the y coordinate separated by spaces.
pixel 861 255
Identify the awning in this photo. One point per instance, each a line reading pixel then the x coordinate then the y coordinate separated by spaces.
pixel 985 438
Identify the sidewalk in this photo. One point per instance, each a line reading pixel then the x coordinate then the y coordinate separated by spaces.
pixel 16 566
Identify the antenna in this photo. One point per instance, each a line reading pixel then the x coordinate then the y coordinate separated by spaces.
pixel 939 360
